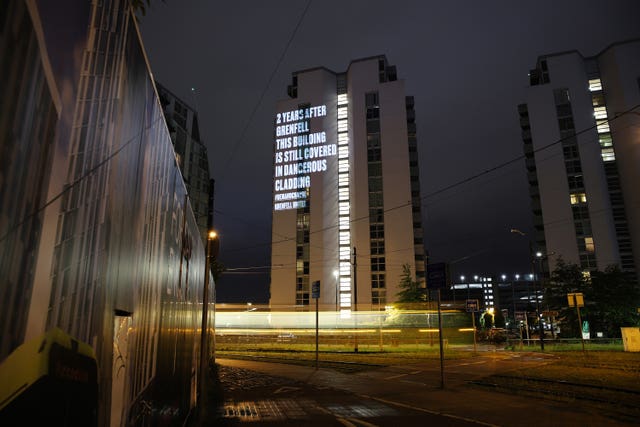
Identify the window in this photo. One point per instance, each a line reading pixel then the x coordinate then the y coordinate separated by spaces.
pixel 597 100
pixel 608 155
pixel 373 113
pixel 375 169
pixel 575 182
pixel 595 84
pixel 600 112
pixel 377 247
pixel 376 231
pixel 377 264
pixel 603 126
pixel 376 214
pixel 377 280
pixel 374 154
pixel 605 140
pixel 570 152
pixel 371 99
pixel 588 243
pixel 578 198
pixel 561 96
pixel 375 184
pixel 566 124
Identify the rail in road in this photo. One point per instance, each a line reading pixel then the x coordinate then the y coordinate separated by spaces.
pixel 410 394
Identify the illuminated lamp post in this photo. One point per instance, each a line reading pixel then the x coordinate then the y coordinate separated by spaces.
pixel 335 275
pixel 538 255
pixel 211 236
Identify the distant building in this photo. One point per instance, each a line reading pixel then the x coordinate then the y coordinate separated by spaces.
pixel 581 128
pixel 346 188
pixel 191 153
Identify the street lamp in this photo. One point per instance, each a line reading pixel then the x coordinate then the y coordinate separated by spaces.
pixel 538 255
pixel 211 236
pixel 335 275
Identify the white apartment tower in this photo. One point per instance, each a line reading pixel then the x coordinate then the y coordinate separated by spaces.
pixel 581 134
pixel 346 189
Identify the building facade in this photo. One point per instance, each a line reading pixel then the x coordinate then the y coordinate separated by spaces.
pixel 581 133
pixel 94 213
pixel 191 154
pixel 346 189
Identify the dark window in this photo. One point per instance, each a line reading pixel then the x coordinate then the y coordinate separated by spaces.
pixel 371 99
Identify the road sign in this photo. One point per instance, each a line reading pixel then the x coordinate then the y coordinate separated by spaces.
pixel 551 313
pixel 315 289
pixel 472 305
pixel 437 275
pixel 575 299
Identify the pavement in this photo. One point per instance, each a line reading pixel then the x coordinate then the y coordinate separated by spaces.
pixel 276 394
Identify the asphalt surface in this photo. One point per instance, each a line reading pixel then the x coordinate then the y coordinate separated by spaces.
pixel 275 394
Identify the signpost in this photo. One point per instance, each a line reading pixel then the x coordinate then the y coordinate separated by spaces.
pixel 437 279
pixel 522 316
pixel 315 294
pixel 472 307
pixel 577 300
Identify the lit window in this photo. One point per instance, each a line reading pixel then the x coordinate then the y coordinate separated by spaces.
pixel 343 180
pixel 343 152
pixel 342 113
pixel 605 140
pixel 342 99
pixel 588 243
pixel 343 165
pixel 345 268
pixel 345 253
pixel 344 223
pixel 343 193
pixel 345 237
pixel 608 155
pixel 343 139
pixel 600 112
pixel 343 208
pixel 343 126
pixel 578 198
pixel 595 84
pixel 603 126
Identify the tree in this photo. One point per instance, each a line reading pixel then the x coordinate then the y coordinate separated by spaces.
pixel 616 300
pixel 565 278
pixel 410 289
pixel 610 296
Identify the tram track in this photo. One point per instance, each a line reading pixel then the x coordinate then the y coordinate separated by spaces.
pixel 623 403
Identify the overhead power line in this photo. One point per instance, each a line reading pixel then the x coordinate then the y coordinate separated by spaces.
pixel 465 180
pixel 240 139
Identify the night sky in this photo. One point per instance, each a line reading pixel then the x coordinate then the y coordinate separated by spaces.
pixel 465 62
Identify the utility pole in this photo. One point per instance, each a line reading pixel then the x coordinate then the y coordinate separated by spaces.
pixel 537 255
pixel 355 299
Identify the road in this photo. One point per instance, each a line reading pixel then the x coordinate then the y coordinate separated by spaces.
pixel 279 394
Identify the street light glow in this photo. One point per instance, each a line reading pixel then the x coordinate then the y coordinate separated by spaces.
pixel 212 235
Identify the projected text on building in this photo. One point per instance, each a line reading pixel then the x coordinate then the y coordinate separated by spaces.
pixel 298 154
